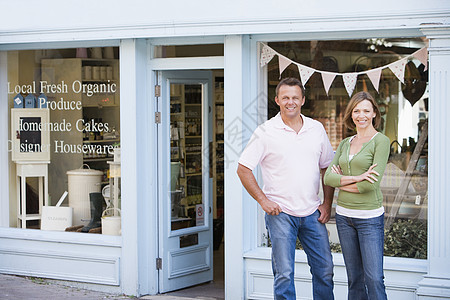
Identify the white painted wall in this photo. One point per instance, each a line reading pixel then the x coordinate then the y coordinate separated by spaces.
pixel 95 20
pixel 68 256
pixel 57 25
pixel 51 14
pixel 400 285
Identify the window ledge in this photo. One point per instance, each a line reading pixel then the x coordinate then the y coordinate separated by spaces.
pixel 390 263
pixel 405 264
pixel 61 237
pixel 264 253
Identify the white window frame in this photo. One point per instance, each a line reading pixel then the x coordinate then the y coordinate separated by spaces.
pixel 4 130
pixel 391 263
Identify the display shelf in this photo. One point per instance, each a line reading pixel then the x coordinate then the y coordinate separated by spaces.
pixel 193 174
pixel 101 141
pixel 86 160
pixel 102 75
pixel 30 217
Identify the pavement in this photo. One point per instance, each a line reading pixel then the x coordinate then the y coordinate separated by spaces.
pixel 26 288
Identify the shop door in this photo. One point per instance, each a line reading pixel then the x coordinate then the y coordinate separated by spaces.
pixel 185 242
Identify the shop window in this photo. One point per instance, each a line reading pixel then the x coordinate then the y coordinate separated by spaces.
pixel 404 109
pixel 64 139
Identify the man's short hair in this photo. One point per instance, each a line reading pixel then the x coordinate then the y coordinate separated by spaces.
pixel 290 81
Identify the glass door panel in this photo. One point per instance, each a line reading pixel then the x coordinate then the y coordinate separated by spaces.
pixel 186 163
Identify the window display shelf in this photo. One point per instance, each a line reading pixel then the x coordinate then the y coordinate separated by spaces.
pixel 103 75
pixel 101 141
pixel 30 217
pixel 97 159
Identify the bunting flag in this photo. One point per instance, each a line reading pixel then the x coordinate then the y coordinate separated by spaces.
pixel 398 68
pixel 374 76
pixel 327 78
pixel 350 79
pixel 305 73
pixel 422 56
pixel 267 54
pixel 283 63
pixel 350 82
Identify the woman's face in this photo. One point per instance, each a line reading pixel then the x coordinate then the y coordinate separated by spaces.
pixel 363 114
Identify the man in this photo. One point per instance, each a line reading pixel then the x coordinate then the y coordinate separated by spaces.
pixel 293 151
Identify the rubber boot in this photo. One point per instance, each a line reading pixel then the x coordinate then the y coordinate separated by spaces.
pixel 96 200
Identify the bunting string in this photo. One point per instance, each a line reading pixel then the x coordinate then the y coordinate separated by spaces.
pixel 350 78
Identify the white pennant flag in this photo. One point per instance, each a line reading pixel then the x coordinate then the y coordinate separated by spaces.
pixel 305 73
pixel 374 76
pixel 422 56
pixel 350 82
pixel 327 78
pixel 283 63
pixel 266 55
pixel 398 68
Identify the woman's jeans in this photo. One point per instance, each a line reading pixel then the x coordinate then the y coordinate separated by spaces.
pixel 362 242
pixel 283 231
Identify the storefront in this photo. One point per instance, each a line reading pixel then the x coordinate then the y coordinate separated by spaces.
pixel 143 125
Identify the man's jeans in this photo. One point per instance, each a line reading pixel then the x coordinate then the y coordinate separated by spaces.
pixel 283 231
pixel 362 243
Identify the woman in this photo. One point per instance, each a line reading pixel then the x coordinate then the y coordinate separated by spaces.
pixel 356 170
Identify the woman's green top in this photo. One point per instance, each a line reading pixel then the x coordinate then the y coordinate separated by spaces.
pixel 374 151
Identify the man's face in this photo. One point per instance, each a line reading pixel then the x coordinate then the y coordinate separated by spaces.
pixel 290 100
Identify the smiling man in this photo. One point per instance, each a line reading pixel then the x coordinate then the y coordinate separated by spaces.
pixel 293 151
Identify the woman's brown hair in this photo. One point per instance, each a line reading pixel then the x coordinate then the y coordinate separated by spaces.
pixel 355 100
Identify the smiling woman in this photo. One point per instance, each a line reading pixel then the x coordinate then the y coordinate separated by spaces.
pixel 356 169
